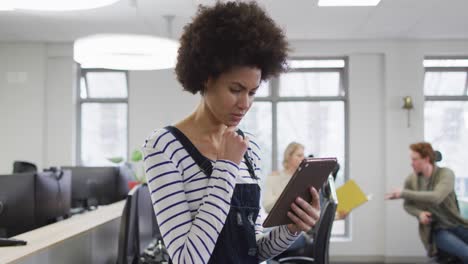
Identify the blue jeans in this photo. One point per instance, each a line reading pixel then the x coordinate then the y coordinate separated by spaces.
pixel 454 241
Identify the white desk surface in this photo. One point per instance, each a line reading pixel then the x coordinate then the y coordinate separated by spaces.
pixel 50 235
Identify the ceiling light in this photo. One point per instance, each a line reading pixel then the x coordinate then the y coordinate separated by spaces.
pixel 61 5
pixel 6 5
pixel 348 2
pixel 126 52
pixel 304 64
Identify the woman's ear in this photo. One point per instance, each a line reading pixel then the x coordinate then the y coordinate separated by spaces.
pixel 210 82
pixel 206 84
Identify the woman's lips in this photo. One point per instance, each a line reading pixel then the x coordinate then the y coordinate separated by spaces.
pixel 237 117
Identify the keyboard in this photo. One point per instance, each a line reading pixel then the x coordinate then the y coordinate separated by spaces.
pixel 7 242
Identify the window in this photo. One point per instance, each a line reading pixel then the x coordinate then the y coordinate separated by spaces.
pixel 446 115
pixel 307 105
pixel 102 117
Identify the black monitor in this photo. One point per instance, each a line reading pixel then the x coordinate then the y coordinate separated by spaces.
pixel 16 204
pixel 129 248
pixel 53 196
pixel 125 175
pixel 92 186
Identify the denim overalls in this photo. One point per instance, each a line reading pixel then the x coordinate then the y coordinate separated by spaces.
pixel 236 243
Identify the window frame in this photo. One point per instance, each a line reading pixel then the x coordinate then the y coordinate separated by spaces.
pixel 274 98
pixel 447 69
pixel 79 107
pixel 446 98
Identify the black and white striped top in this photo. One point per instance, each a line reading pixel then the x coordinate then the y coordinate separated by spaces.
pixel 191 207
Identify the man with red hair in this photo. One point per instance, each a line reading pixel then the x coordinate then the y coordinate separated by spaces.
pixel 429 195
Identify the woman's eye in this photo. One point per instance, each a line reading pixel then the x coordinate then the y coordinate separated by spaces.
pixel 233 90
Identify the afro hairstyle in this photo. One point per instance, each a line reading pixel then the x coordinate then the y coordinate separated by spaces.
pixel 225 36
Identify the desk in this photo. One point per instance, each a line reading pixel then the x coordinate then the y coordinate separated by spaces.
pixel 91 237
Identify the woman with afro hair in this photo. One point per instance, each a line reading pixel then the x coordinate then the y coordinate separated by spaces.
pixel 204 174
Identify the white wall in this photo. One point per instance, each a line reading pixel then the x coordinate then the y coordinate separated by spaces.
pixel 365 140
pixel 60 106
pixel 381 73
pixel 22 92
pixel 36 104
pixel 156 100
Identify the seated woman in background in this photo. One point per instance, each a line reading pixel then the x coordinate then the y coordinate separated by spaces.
pixel 277 180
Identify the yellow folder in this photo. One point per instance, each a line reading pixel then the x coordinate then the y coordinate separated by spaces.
pixel 350 196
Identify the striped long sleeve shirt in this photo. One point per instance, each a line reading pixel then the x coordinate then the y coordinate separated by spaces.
pixel 191 207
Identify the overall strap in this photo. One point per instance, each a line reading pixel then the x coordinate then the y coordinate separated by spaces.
pixel 247 158
pixel 203 162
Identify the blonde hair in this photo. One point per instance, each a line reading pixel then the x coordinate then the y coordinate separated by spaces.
pixel 288 152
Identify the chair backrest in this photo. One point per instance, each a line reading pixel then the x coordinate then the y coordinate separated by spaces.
pixel 316 250
pixel 24 166
pixel 147 224
pixel 323 232
pixel 129 246
pixel 138 226
pixel 438 156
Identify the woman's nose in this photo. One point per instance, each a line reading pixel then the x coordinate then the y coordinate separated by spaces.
pixel 244 101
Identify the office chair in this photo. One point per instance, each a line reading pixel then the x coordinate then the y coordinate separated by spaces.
pixel 24 166
pixel 443 257
pixel 128 246
pixel 140 241
pixel 316 250
pixel 438 156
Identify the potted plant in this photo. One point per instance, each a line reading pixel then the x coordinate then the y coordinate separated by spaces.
pixel 135 165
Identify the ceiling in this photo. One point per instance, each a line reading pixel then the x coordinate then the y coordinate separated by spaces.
pixel 301 19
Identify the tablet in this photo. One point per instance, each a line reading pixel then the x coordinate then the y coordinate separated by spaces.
pixel 311 172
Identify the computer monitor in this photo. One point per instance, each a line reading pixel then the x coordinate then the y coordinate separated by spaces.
pixel 129 247
pixel 125 175
pixel 16 204
pixel 92 186
pixel 52 196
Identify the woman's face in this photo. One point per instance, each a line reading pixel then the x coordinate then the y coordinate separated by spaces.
pixel 296 157
pixel 230 96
